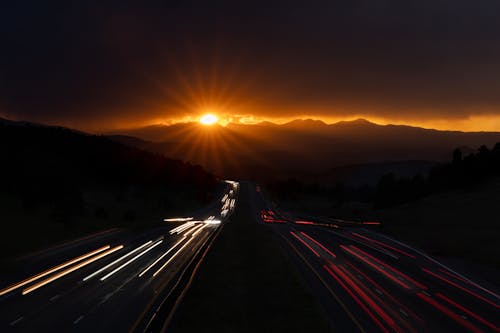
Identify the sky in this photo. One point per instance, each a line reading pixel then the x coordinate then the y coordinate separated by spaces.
pixel 98 65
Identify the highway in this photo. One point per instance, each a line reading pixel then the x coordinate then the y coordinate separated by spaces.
pixel 114 281
pixel 369 282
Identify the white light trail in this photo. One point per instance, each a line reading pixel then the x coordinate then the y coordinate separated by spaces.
pixel 172 257
pixel 69 270
pixel 161 257
pixel 131 260
pixel 198 231
pixel 182 227
pixel 193 230
pixel 211 221
pixel 117 261
pixel 178 219
pixel 51 270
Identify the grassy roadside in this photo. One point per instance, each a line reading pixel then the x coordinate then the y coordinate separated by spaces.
pixel 246 284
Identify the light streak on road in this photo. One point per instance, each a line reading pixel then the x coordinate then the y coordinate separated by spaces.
pixel 117 261
pixel 198 231
pixel 463 279
pixel 70 269
pixel 368 300
pixel 374 266
pixel 191 231
pixel 319 244
pixel 305 222
pixel 178 219
pixel 387 294
pixel 132 260
pixel 371 223
pixel 469 312
pixel 162 256
pixel 440 265
pixel 384 245
pixel 356 299
pixel 181 228
pixel 212 221
pixel 461 288
pixel 303 242
pixel 449 313
pixel 172 257
pixel 51 270
pixel 387 266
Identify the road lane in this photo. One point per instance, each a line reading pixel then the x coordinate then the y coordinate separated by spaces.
pixel 103 289
pixel 379 284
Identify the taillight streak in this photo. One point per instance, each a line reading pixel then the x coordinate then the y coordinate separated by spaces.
pixel 449 313
pixel 384 245
pixel 319 244
pixel 356 299
pixel 303 242
pixel 442 278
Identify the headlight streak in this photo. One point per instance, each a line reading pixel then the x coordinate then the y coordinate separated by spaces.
pixel 191 231
pixel 173 256
pixel 69 270
pixel 131 260
pixel 116 261
pixel 161 257
pixel 178 219
pixel 212 221
pixel 51 270
pixel 181 228
pixel 198 231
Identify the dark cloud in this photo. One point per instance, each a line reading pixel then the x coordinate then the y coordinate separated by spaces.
pixel 98 60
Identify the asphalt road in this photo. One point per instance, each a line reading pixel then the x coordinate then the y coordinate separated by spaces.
pixel 110 282
pixel 368 282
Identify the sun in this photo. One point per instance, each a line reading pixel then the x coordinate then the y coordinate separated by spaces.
pixel 209 119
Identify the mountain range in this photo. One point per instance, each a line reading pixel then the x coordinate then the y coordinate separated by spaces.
pixel 308 149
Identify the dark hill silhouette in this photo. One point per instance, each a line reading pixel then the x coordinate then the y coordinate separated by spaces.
pixel 53 165
pixel 302 148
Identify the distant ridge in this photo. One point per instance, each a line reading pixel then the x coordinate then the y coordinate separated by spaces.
pixel 355 122
pixel 305 123
pixel 303 147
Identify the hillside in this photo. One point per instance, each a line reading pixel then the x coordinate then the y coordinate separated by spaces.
pixel 70 183
pixel 306 149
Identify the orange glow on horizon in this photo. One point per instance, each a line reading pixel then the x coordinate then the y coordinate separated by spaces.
pixel 488 123
pixel 470 124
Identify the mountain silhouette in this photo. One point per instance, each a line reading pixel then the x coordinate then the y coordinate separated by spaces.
pixel 301 148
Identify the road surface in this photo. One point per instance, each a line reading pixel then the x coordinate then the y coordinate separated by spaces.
pixel 368 282
pixel 112 282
